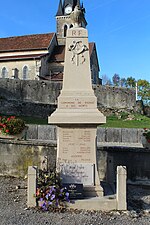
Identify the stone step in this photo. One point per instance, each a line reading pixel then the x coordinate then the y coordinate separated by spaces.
pixel 108 203
pixel 93 191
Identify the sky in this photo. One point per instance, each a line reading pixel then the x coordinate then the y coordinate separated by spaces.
pixel 120 29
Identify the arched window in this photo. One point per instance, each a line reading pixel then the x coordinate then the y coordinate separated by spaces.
pixel 4 72
pixel 71 26
pixel 25 73
pixel 65 30
pixel 15 73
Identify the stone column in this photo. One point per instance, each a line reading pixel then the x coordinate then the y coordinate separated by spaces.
pixel 31 191
pixel 121 188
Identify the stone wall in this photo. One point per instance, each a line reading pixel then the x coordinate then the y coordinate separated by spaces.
pixel 16 156
pixel 105 135
pixel 20 108
pixel 46 93
pixel 135 159
pixel 115 97
pixel 42 132
pixel 30 90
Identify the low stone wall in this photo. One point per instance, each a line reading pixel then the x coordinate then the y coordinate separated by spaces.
pixel 16 156
pixel 42 132
pixel 115 135
pixel 136 160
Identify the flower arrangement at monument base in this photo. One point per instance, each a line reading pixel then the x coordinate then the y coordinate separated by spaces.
pixel 12 127
pixel 50 194
pixel 146 138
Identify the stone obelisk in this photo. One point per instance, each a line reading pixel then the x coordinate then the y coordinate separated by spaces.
pixel 77 116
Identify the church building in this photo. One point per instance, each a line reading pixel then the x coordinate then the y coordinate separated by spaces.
pixel 41 56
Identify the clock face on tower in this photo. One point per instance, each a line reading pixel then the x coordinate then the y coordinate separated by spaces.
pixel 68 9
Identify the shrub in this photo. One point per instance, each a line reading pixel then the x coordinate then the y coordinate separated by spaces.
pixel 11 125
pixel 146 134
pixel 50 192
pixel 124 115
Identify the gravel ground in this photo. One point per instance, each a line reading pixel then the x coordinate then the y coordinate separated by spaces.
pixel 13 209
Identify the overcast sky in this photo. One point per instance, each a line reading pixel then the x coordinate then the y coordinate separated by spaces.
pixel 120 28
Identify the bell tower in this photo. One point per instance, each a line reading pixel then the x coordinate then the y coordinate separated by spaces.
pixel 63 21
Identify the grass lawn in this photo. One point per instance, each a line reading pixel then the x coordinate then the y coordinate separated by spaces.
pixel 34 120
pixel 112 121
pixel 139 122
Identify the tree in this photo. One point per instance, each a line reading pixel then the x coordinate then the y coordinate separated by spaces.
pixel 106 80
pixel 131 82
pixel 116 79
pixel 123 82
pixel 144 91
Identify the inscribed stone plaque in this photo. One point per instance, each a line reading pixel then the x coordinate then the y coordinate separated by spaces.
pixel 86 102
pixel 75 190
pixel 77 173
pixel 76 145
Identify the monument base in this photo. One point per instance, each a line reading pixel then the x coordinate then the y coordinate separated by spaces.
pixel 93 191
pixel 96 203
pixel 76 157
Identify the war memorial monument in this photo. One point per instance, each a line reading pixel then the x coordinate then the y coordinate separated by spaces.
pixel 77 116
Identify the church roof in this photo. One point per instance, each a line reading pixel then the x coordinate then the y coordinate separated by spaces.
pixel 58 54
pixel 60 9
pixel 71 2
pixel 21 57
pixel 57 76
pixel 26 42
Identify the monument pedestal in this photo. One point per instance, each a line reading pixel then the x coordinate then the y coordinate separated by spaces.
pixel 76 155
pixel 77 117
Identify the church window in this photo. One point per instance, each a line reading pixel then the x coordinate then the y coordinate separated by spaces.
pixel 25 73
pixel 4 72
pixel 65 30
pixel 16 73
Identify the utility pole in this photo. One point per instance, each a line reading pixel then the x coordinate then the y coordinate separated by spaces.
pixel 136 89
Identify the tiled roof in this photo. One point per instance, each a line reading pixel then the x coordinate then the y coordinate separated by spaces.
pixel 27 42
pixel 14 57
pixel 53 77
pixel 58 54
pixel 91 47
pixel 58 76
